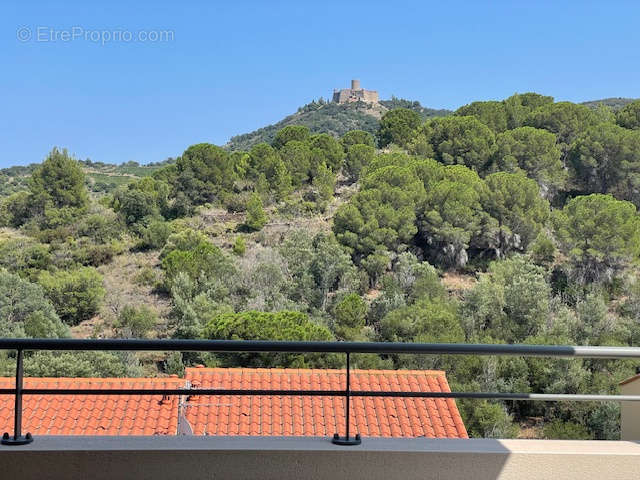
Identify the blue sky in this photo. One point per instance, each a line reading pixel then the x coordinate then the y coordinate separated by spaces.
pixel 232 67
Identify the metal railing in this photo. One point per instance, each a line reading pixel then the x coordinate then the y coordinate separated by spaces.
pixel 347 348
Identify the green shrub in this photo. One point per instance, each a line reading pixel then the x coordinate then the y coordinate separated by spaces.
pixel 76 364
pixel 94 255
pixel 25 311
pixel 101 227
pixel 240 246
pixel 559 430
pixel 139 201
pixel 236 202
pixel 16 209
pixel 75 294
pixel 256 217
pixel 542 250
pixel 487 420
pixel 174 364
pixel 323 187
pixel 184 239
pixel 146 276
pixel 135 322
pixel 376 264
pixel 200 262
pixel 24 256
pixel 511 302
pixel 350 317
pixel 155 235
pixel 427 321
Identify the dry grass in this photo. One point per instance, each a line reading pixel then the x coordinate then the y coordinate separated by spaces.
pixel 7 233
pixel 531 428
pixel 122 289
pixel 372 294
pixel 458 283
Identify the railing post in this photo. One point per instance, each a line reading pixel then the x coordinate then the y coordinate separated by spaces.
pixel 17 438
pixel 346 440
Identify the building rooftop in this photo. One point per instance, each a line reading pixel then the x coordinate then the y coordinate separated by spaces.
pixel 629 380
pixel 94 414
pixel 321 416
pixel 228 415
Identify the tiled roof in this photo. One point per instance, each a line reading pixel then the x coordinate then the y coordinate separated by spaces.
pixel 242 414
pixel 93 414
pixel 321 416
pixel 629 380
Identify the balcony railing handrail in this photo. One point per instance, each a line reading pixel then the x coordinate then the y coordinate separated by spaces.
pixel 219 346
pixel 20 345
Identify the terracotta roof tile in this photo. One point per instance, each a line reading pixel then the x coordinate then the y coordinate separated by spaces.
pixel 94 415
pixel 322 416
pixel 242 415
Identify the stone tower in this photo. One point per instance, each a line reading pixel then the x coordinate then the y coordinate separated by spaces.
pixel 355 94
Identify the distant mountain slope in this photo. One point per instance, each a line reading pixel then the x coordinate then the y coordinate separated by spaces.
pixel 614 103
pixel 101 177
pixel 335 119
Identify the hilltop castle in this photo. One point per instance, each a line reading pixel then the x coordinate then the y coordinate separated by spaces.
pixel 355 94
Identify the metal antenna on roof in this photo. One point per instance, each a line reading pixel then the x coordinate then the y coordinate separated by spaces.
pixel 346 440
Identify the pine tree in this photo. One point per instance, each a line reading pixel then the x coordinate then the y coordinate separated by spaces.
pixel 256 217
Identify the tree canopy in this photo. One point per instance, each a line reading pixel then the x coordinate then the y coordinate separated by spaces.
pixel 397 126
pixel 299 133
pixel 492 114
pixel 606 159
pixel 629 116
pixel 253 325
pixel 326 150
pixel 59 182
pixel 358 157
pixel 535 153
pixel 203 172
pixel 462 141
pixel 519 105
pixel 452 218
pixel 382 215
pixel 515 202
pixel 357 137
pixel 599 233
pixel 564 119
pixel 427 321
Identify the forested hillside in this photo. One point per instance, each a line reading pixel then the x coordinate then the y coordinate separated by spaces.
pixel 332 118
pixel 508 221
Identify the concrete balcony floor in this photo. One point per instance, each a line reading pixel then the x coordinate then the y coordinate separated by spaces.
pixel 186 457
